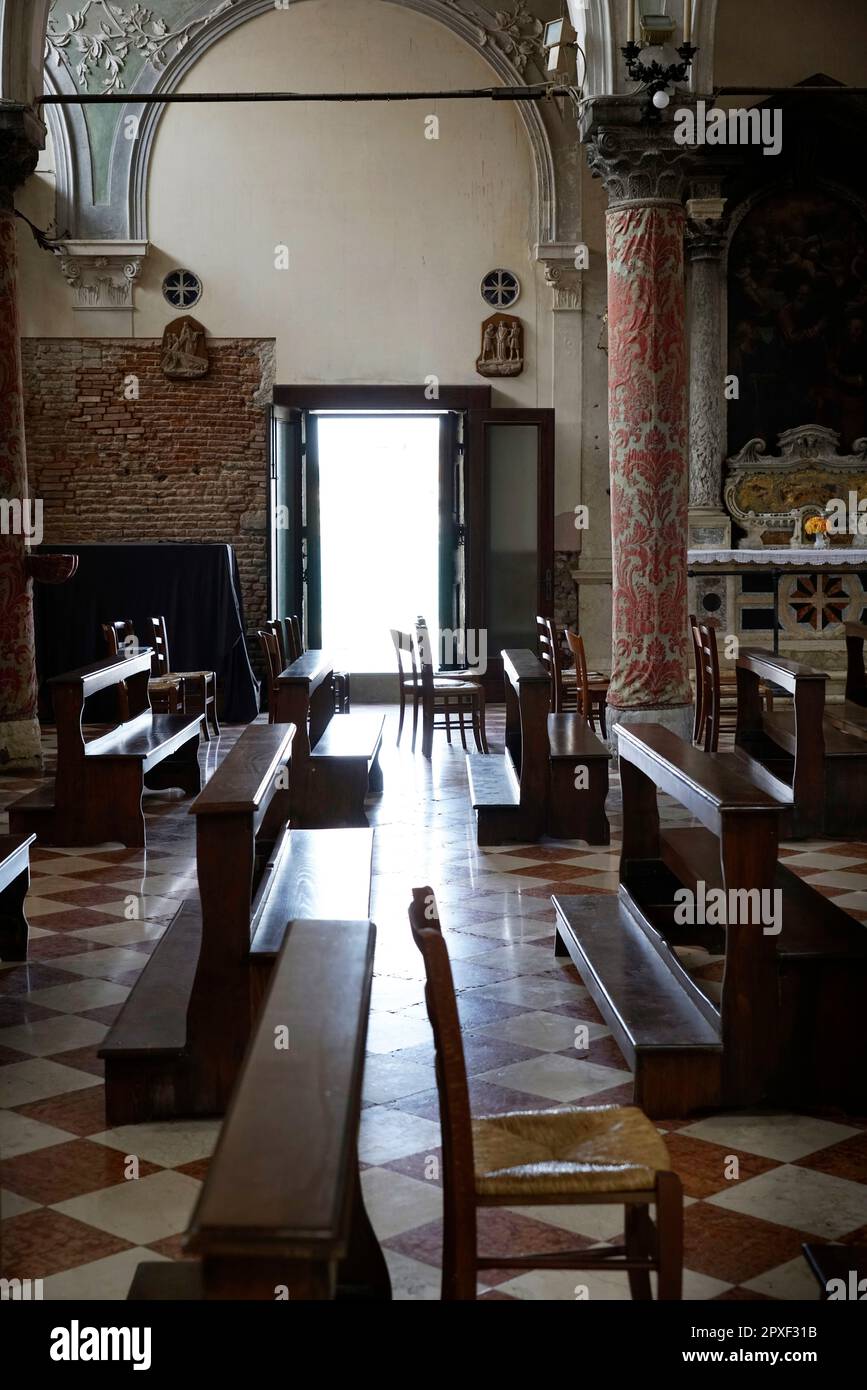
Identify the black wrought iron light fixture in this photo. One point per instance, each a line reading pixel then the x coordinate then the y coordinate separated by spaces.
pixel 657 76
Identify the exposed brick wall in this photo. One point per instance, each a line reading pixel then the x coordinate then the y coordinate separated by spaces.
pixel 184 462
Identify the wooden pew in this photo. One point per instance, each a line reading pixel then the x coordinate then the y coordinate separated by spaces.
pixel 177 1044
pixel 787 1026
pixel 335 761
pixel 851 716
pixel 280 1214
pixel 536 789
pixel 14 885
pixel 97 790
pixel 802 757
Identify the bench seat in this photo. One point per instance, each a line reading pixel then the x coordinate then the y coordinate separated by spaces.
pixel 577 812
pixel 320 875
pixel 14 883
pixel 344 768
pixel 668 1033
pixel 148 739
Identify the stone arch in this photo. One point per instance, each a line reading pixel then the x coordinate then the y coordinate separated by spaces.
pixel 551 135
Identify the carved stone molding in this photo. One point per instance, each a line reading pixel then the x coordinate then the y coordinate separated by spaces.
pixel 769 495
pixel 561 275
pixel 102 274
pixel 637 166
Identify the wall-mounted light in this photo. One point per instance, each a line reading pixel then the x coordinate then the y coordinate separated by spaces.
pixel 560 43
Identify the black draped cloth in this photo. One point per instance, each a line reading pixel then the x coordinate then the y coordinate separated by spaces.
pixel 194 587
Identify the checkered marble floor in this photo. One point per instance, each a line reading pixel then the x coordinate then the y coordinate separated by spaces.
pixel 82 1204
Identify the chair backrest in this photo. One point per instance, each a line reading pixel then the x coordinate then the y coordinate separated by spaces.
pixel 117 635
pixel 161 661
pixel 549 655
pixel 293 626
pixel 273 665
pixel 711 699
pixel 424 657
pixel 275 627
pixel 698 719
pixel 582 685
pixel 451 1070
pixel 403 643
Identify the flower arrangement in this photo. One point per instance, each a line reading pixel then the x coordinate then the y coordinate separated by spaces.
pixel 818 526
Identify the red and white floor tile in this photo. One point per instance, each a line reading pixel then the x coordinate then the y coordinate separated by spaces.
pixel 76 1217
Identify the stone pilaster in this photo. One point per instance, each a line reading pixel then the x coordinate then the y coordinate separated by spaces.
pixel 709 523
pixel 20 139
pixel 645 174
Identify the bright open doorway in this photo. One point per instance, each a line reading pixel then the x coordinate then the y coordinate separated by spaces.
pixel 379 481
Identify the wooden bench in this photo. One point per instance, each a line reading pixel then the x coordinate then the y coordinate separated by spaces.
pixel 14 885
pixel 786 1027
pixel 177 1044
pixel 553 778
pixel 802 757
pixel 851 716
pixel 280 1214
pixel 96 794
pixel 335 761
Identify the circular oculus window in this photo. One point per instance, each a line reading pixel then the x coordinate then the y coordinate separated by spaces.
pixel 500 289
pixel 182 289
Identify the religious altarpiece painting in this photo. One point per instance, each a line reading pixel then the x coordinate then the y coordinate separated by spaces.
pixel 797 430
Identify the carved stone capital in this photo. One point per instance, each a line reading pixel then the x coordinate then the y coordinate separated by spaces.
pixel 102 274
pixel 22 136
pixel 705 225
pixel 638 166
pixel 562 276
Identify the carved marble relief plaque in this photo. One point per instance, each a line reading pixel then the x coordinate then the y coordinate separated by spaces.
pixel 185 350
pixel 502 346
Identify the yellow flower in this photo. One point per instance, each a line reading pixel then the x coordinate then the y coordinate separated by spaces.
pixel 816 526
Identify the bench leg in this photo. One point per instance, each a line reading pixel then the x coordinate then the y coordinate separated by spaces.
pixel 14 930
pixel 181 770
pixel 374 777
pixel 363 1273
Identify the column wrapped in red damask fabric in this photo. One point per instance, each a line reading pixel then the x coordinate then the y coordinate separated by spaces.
pixel 19 730
pixel 647 412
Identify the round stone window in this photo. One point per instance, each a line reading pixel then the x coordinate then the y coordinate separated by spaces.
pixel 500 289
pixel 182 289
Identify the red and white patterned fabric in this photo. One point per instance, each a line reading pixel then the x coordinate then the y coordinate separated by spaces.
pixel 17 664
pixel 647 410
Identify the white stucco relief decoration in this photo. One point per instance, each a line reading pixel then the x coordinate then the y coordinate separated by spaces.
pixel 102 36
pixel 516 33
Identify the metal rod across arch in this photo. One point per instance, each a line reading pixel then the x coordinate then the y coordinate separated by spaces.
pixel 534 93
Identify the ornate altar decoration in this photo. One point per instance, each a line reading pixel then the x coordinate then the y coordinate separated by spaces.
pixel 772 496
pixel 502 346
pixel 184 350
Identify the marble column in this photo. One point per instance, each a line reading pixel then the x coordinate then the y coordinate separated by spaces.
pixel 20 746
pixel 709 523
pixel 648 423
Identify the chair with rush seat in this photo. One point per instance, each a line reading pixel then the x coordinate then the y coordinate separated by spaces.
pixel 603 1154
pixel 199 687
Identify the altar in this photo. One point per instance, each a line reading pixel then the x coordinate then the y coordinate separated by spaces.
pixel 794 600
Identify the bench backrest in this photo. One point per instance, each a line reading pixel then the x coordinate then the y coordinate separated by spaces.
pixel 277 1202
pixel 528 701
pixel 807 686
pixel 245 804
pixel 746 821
pixel 69 693
pixel 856 681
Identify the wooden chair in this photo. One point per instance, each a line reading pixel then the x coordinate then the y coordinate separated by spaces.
pixel 166 693
pixel 711 689
pixel 270 645
pixel 408 682
pixel 199 687
pixel 590 687
pixel 446 695
pixel 276 626
pixel 570 1156
pixel 549 656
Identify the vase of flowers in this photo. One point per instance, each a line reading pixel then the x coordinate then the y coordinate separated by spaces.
pixel 818 526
